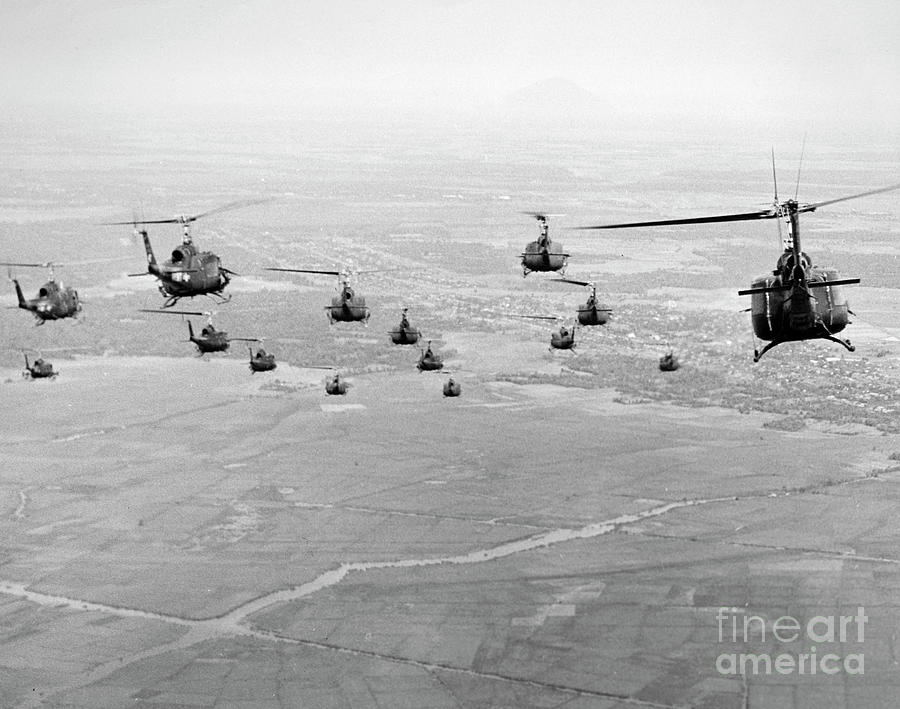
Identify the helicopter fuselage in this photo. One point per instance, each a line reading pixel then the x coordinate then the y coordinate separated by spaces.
pixel 262 362
pixel 39 370
pixel 210 339
pixel 544 255
pixel 187 273
pixel 430 362
pixel 335 386
pixel 590 314
pixel 347 307
pixel 801 312
pixel 562 340
pixel 668 362
pixel 452 388
pixel 53 302
pixel 405 335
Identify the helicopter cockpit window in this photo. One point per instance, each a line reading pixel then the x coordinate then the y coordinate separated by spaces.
pixel 177 256
pixel 42 293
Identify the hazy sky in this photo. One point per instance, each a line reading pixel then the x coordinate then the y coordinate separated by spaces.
pixel 808 58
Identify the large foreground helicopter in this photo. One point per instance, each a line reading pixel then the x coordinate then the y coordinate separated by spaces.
pixel 54 300
pixel 346 306
pixel 210 339
pixel 798 301
pixel 543 254
pixel 189 272
pixel 590 313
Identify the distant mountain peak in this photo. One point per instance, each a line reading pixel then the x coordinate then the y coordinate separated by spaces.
pixel 556 97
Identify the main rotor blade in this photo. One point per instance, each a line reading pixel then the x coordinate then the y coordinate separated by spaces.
pixel 47 264
pixel 542 215
pixel 171 312
pixel 800 166
pixel 537 317
pixel 569 280
pixel 774 178
pixel 775 181
pixel 303 270
pixel 144 221
pixel 746 216
pixel 228 207
pixel 815 205
pixel 187 220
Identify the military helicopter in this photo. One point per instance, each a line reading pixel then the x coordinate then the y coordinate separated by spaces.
pixel 39 370
pixel 189 272
pixel 54 300
pixel 429 361
pixel 543 254
pixel 336 386
pixel 210 339
pixel 669 362
pixel 564 339
pixel 589 313
pixel 404 333
pixel 262 361
pixel 452 387
pixel 798 301
pixel 346 306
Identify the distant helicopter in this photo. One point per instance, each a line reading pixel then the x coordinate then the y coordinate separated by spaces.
pixel 669 362
pixel 783 305
pixel 543 254
pixel 404 333
pixel 336 386
pixel 346 306
pixel 54 300
pixel 189 272
pixel 262 361
pixel 452 387
pixel 39 370
pixel 564 339
pixel 210 339
pixel 429 361
pixel 589 314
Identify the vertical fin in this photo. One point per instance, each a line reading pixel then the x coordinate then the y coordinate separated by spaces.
pixel 22 302
pixel 799 166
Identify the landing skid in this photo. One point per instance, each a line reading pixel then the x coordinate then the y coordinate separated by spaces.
pixel 838 340
pixel 757 354
pixel 221 298
pixel 217 297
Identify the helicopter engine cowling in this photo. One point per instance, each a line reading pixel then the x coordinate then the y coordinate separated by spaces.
pixel 831 301
pixel 766 308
